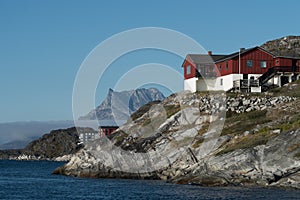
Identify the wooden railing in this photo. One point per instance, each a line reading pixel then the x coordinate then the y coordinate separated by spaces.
pixel 272 71
pixel 245 83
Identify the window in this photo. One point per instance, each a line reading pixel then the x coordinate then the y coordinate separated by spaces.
pixel 220 67
pixel 249 63
pixel 221 81
pixel 188 69
pixel 263 64
pixel 226 65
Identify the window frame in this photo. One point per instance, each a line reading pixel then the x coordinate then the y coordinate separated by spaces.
pixel 263 62
pixel 249 63
pixel 188 70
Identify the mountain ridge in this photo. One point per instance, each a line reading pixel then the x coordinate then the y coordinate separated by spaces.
pixel 120 105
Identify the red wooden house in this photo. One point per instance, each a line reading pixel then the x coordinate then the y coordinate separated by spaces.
pixel 247 69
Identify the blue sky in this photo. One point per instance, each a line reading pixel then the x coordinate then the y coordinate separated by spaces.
pixel 43 43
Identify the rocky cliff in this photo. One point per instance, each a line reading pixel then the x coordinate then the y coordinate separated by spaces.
pixel 285 46
pixel 57 143
pixel 202 138
pixel 119 105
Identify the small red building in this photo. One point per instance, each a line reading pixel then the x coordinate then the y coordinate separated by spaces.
pixel 247 69
pixel 106 130
pixel 107 127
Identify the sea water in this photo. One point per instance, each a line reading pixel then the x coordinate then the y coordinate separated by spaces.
pixel 33 180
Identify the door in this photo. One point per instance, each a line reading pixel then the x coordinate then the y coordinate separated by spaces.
pixel 294 65
pixel 284 80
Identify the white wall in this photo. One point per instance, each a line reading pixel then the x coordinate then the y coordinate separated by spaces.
pixel 214 84
pixel 190 84
pixel 228 83
pixel 255 89
pixel 208 85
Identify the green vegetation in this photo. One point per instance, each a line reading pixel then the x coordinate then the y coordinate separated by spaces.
pixel 172 109
pixel 292 124
pixel 120 136
pixel 238 123
pixel 293 147
pixel 198 142
pixel 146 122
pixel 291 89
pixel 155 122
pixel 247 142
pixel 297 155
pixel 203 129
pixel 142 110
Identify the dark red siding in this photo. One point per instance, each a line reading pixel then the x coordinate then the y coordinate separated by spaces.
pixel 187 63
pixel 225 67
pixel 256 56
pixel 106 130
pixel 283 62
pixel 231 66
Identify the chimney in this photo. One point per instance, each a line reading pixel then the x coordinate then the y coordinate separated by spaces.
pixel 242 50
pixel 209 53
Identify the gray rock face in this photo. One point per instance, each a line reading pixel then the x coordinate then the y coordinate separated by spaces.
pixel 179 140
pixel 245 103
pixel 263 165
pixel 120 105
pixel 286 46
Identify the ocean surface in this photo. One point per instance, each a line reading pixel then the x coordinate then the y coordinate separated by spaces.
pixel 33 180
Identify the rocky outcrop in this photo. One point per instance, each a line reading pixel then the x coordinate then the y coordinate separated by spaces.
pixel 285 46
pixel 57 145
pixel 271 164
pixel 18 134
pixel 189 138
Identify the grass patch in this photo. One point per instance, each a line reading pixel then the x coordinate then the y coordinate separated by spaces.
pixel 146 122
pixel 203 129
pixel 292 124
pixel 297 155
pixel 247 142
pixel 197 143
pixel 256 114
pixel 172 109
pixel 142 110
pixel 238 123
pixel 117 136
pixel 158 120
pixel 293 147
pixel 291 89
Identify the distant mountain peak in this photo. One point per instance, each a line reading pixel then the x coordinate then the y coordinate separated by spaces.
pixel 110 91
pixel 120 105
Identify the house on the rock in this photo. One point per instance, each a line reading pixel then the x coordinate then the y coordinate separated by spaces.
pixel 246 70
pixel 107 127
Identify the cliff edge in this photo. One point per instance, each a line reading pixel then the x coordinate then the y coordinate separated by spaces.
pixel 208 139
